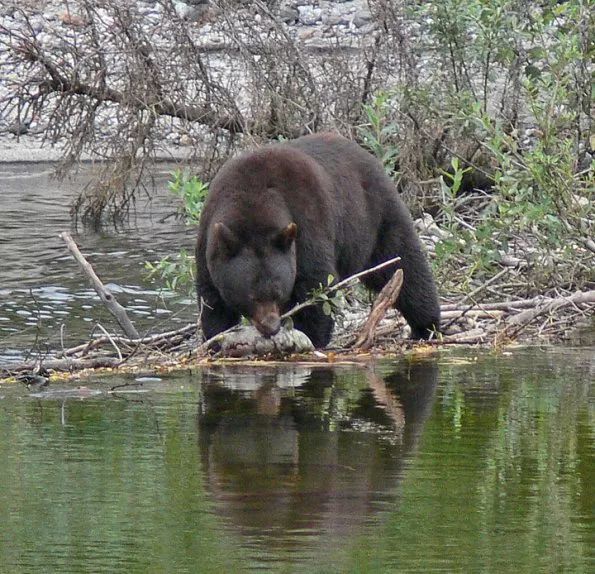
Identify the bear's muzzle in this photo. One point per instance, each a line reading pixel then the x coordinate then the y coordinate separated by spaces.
pixel 266 318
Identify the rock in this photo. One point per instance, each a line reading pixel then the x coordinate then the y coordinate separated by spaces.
pixel 185 140
pixel 19 128
pixel 306 34
pixel 289 15
pixel 7 11
pixel 510 261
pixel 246 340
pixel 74 20
pixel 361 18
pixel 427 226
pixel 309 16
pixel 192 10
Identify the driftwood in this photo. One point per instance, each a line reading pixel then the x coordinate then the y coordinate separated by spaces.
pixel 63 365
pixel 385 300
pixel 245 341
pixel 546 305
pixel 160 341
pixel 513 306
pixel 104 293
pixel 490 323
pixel 486 323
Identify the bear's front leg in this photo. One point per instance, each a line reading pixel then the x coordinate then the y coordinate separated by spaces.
pixel 215 315
pixel 312 320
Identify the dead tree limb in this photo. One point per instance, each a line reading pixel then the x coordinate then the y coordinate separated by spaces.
pixel 66 365
pixel 549 304
pixel 341 285
pixel 580 298
pixel 385 300
pixel 104 293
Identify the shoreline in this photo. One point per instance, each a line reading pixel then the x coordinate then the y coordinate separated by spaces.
pixel 19 153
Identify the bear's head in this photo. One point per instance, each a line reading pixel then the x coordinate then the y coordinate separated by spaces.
pixel 254 274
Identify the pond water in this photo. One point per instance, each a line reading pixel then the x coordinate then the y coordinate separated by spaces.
pixel 464 463
pixel 45 301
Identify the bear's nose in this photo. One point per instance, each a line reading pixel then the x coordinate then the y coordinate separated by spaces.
pixel 266 318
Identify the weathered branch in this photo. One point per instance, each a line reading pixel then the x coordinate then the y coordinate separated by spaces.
pixel 337 286
pixel 104 293
pixel 59 83
pixel 385 300
pixel 580 297
pixel 547 305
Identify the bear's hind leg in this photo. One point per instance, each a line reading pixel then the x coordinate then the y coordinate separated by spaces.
pixel 418 300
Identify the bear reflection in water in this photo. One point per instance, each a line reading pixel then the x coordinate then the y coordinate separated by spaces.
pixel 311 450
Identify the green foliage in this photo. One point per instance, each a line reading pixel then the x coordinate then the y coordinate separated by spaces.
pixel 332 299
pixel 178 273
pixel 507 85
pixel 192 191
pixel 377 134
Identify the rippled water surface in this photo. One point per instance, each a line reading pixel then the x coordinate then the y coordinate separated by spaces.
pixel 462 464
pixel 45 300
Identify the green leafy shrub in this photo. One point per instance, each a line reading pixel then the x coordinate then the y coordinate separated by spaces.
pixel 506 89
pixel 178 273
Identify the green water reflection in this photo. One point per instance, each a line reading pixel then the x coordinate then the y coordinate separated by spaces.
pixel 465 464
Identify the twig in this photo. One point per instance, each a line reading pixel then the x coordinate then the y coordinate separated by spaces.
pixel 472 294
pixel 183 332
pixel 351 279
pixel 111 340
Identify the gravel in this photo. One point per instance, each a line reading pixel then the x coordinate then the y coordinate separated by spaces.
pixel 318 23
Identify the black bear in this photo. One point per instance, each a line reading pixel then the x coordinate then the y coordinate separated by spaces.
pixel 279 220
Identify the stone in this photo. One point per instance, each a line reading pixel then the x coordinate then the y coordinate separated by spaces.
pixel 74 20
pixel 309 16
pixel 361 18
pixel 289 15
pixel 185 140
pixel 246 340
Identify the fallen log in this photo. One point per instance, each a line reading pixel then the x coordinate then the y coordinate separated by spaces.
pixel 546 305
pixel 67 365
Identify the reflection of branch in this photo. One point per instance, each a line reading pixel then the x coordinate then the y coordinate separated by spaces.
pixel 384 396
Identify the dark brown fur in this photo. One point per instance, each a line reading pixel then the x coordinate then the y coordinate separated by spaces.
pixel 349 217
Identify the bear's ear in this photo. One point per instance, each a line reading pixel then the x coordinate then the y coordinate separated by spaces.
pixel 285 238
pixel 226 241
